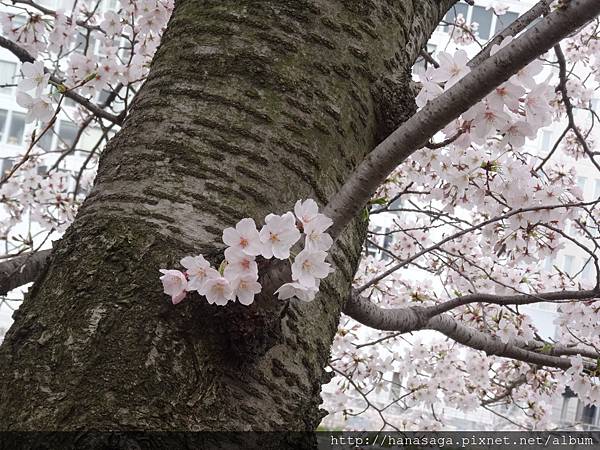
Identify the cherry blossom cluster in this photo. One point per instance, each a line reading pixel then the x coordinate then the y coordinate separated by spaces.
pixel 484 172
pixel 43 199
pixel 464 33
pixel 237 276
pixel 136 26
pixel 587 388
pixel 440 377
pixel 38 105
pixel 85 51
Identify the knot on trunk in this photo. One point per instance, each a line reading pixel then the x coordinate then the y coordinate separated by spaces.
pixel 394 101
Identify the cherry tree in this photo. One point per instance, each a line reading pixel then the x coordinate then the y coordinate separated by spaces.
pixel 220 270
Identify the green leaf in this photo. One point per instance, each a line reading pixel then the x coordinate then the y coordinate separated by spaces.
pixel 365 214
pixel 378 201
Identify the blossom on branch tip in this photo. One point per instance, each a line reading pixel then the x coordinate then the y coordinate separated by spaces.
pixel 239 264
pixel 245 288
pixel 111 23
pixel 306 211
pixel 316 238
pixel 237 277
pixel 34 77
pixel 452 68
pixel 37 108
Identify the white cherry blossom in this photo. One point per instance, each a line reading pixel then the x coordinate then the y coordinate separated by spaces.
pixel 37 108
pixel 174 284
pixel 316 237
pixel 217 290
pixel 309 267
pixel 34 77
pixel 297 290
pixel 198 270
pixel 278 235
pixel 306 210
pixel 111 23
pixel 452 68
pixel 245 287
pixel 239 264
pixel 244 237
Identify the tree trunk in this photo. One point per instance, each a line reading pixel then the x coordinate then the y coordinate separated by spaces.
pixel 249 106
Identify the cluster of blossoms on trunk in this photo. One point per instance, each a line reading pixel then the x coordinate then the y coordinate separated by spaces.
pixel 237 276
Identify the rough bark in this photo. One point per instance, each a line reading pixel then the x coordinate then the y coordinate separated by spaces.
pixel 249 106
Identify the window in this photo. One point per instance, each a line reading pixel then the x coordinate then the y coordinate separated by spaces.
pixel 69 103
pixel 42 170
pixel 17 129
pixel 597 193
pixel 587 414
pixel 457 9
pixel 568 265
pixel 505 20
pixel 484 18
pixel 587 273
pixel 84 44
pixel 581 182
pixel 546 141
pixel 7 76
pixel 396 390
pixel 569 407
pixel 45 141
pixel 549 264
pixel 66 134
pixel 109 5
pixel 387 240
pixel 48 3
pixel 372 250
pixel 3 116
pixel 5 165
pixel 103 95
pixel 396 204
pixel 19 21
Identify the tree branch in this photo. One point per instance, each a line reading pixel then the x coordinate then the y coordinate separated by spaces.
pixel 562 86
pixel 21 270
pixel 504 300
pixel 50 12
pixel 417 318
pixel 541 7
pixel 493 345
pixel 25 56
pixel 416 131
pixel 462 232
